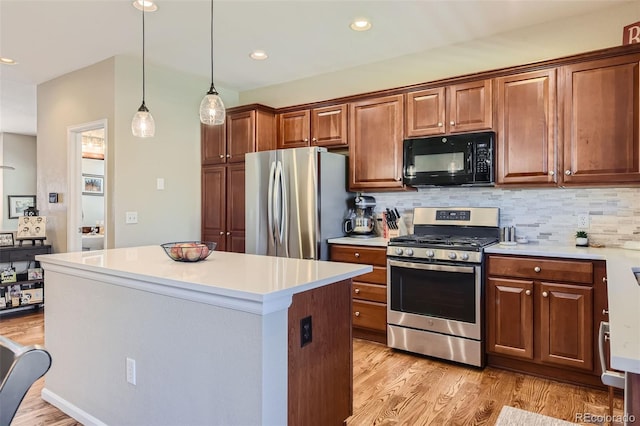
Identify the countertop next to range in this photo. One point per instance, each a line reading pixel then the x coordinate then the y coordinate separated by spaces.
pixel 353 241
pixel 623 293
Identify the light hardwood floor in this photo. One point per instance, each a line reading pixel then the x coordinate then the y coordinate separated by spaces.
pixel 390 388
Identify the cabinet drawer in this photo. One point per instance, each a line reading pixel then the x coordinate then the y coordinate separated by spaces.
pixel 370 292
pixel 371 315
pixel 358 254
pixel 541 269
pixel 378 276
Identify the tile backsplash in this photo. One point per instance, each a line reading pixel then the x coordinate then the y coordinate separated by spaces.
pixel 541 215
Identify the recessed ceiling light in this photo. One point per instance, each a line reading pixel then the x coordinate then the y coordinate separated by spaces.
pixel 360 24
pixel 7 61
pixel 259 55
pixel 148 5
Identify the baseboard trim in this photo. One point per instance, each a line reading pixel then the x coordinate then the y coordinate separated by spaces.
pixel 69 409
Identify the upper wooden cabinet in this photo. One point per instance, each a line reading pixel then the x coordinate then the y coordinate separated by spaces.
pixel 526 128
pixel 375 143
pixel 600 110
pixel 457 108
pixel 325 126
pixel 246 129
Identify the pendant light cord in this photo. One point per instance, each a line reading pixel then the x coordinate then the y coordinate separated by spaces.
pixel 143 54
pixel 212 89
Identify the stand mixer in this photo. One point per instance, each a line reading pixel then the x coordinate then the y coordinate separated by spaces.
pixel 360 222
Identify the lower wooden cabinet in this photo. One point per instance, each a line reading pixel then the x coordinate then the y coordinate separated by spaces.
pixel 368 292
pixel 223 206
pixel 543 314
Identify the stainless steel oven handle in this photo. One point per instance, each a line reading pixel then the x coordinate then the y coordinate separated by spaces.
pixel 433 267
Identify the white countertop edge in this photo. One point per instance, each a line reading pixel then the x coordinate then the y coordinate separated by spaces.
pixel 629 365
pixel 547 251
pixel 260 304
pixel 352 241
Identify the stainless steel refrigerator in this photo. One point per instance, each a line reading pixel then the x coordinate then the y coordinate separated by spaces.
pixel 295 200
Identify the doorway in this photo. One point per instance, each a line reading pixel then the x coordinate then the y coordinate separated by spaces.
pixel 87 178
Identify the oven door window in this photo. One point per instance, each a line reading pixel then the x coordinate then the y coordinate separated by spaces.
pixel 436 290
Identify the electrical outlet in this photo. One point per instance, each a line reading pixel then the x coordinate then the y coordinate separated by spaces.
pixel 306 334
pixel 583 221
pixel 131 217
pixel 131 371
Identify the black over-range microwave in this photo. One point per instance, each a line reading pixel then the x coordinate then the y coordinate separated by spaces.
pixel 465 159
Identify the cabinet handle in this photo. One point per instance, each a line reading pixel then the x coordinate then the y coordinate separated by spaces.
pixel 356 291
pixel 604 280
pixel 357 254
pixel 305 140
pixel 537 269
pixel 567 172
pixel 545 294
pixel 228 233
pixel 314 140
pixel 221 155
pixel 440 124
pixel 228 155
pixel 605 312
pixel 398 179
pixel 551 173
pixel 453 123
pixel 221 232
pixel 528 292
pixel 357 313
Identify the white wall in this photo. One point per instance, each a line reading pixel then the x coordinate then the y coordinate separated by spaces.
pixel 552 40
pixel 18 151
pixel 112 90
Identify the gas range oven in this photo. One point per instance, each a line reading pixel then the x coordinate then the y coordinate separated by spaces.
pixel 435 283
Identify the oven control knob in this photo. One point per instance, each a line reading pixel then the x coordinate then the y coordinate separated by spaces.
pixel 409 252
pixel 430 253
pixel 452 255
pixel 464 256
pixel 398 251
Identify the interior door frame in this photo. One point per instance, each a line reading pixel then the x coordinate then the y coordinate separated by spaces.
pixel 74 182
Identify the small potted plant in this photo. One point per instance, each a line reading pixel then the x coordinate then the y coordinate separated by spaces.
pixel 582 240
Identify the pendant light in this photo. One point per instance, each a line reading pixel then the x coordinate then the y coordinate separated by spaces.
pixel 212 108
pixel 142 124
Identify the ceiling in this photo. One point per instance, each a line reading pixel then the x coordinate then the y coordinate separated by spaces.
pixel 49 38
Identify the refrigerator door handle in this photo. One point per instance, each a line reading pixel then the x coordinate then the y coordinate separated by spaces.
pixel 277 203
pixel 270 202
pixel 284 211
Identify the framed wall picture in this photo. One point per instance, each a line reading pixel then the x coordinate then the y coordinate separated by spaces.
pixel 6 239
pixel 92 184
pixel 31 228
pixel 19 203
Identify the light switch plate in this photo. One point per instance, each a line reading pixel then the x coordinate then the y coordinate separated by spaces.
pixel 131 217
pixel 160 184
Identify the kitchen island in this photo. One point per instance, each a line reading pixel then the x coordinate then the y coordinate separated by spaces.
pixel 137 338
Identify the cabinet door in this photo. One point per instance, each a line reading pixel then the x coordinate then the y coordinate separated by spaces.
pixel 600 119
pixel 241 136
pixel 425 112
pixel 526 128
pixel 329 126
pixel 470 106
pixel 235 208
pixel 375 143
pixel 212 144
pixel 566 325
pixel 293 129
pixel 213 205
pixel 510 317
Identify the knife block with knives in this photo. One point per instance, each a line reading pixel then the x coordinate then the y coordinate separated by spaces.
pixel 392 224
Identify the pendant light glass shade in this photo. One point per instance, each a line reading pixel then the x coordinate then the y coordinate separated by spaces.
pixel 143 125
pixel 212 110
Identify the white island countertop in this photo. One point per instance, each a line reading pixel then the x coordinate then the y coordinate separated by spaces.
pixel 622 288
pixel 246 282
